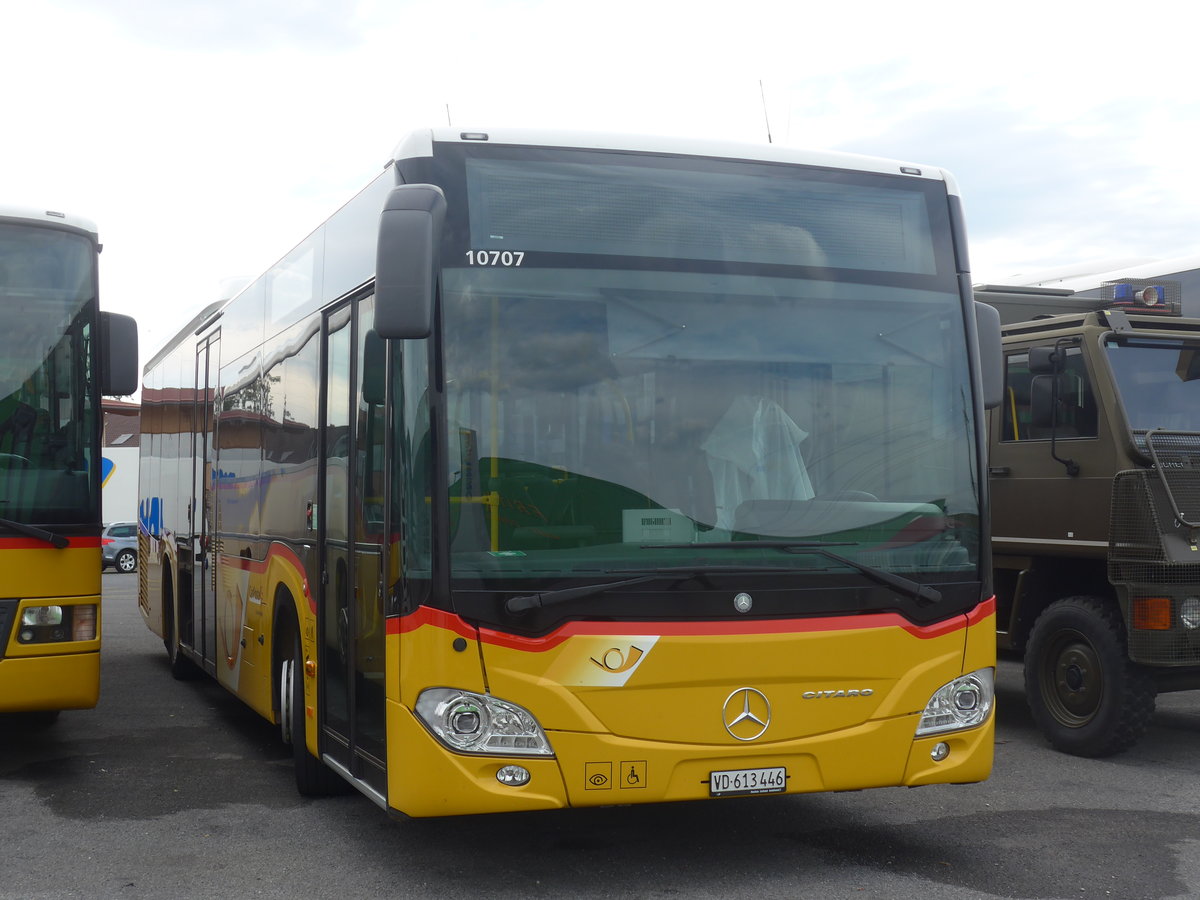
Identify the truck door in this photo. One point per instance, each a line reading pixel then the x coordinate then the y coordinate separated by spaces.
pixel 1034 496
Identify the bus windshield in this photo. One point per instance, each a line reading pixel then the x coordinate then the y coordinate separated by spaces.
pixel 642 353
pixel 47 398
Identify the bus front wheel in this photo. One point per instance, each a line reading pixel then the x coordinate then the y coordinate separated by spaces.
pixel 313 777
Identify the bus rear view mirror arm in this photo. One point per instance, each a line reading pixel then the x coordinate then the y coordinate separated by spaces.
pixel 408 260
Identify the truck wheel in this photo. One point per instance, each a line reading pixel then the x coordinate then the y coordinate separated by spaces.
pixel 1084 693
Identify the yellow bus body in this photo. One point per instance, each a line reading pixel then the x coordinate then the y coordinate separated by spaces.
pixel 634 711
pixel 53 675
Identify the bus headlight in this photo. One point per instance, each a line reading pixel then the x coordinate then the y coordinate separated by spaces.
pixel 477 723
pixel 52 624
pixel 1189 612
pixel 963 703
pixel 42 616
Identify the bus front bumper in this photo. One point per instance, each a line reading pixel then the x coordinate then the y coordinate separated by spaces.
pixel 52 682
pixel 602 770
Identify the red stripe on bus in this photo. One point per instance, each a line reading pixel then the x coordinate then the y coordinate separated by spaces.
pixel 259 567
pixel 450 622
pixel 24 543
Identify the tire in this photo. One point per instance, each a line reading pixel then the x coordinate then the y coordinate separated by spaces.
pixel 182 668
pixel 126 561
pixel 313 777
pixel 1084 693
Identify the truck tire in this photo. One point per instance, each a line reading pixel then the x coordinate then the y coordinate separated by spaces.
pixel 1085 695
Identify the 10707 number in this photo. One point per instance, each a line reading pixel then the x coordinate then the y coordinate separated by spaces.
pixel 503 258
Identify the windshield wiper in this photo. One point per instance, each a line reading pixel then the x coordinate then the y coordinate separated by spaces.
pixel 922 593
pixel 33 531
pixel 525 603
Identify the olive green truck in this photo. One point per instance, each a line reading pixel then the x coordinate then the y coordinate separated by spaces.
pixel 1095 501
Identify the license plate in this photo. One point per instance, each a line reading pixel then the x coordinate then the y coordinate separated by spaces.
pixel 740 782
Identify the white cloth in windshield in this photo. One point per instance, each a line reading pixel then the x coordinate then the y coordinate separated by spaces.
pixel 754 454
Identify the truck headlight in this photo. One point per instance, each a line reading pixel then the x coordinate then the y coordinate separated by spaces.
pixel 1189 612
pixel 963 703
pixel 477 723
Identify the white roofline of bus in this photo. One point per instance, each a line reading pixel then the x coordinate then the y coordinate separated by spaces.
pixel 419 143
pixel 47 217
pixel 196 322
pixel 1112 271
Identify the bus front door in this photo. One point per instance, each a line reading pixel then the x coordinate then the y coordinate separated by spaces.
pixel 350 612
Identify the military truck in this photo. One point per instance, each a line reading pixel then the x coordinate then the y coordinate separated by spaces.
pixel 1095 498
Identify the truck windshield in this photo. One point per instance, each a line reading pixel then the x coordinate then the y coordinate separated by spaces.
pixel 639 354
pixel 1159 382
pixel 47 398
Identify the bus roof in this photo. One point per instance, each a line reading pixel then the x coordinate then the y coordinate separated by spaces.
pixel 1113 270
pixel 420 143
pixel 46 217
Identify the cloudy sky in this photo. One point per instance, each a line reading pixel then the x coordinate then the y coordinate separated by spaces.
pixel 206 137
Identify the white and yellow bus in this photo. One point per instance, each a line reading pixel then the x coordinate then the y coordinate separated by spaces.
pixel 559 470
pixel 58 354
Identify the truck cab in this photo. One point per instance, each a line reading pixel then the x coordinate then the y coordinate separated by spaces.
pixel 1094 467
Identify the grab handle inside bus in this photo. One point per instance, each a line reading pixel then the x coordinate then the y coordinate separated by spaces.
pixel 407 260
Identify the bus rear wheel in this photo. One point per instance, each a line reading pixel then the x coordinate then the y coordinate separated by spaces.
pixel 1083 692
pixel 182 668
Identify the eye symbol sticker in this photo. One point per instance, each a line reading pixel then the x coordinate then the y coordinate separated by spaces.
pixel 597 776
pixel 614 660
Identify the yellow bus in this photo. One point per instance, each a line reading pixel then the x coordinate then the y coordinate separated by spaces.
pixel 565 470
pixel 58 355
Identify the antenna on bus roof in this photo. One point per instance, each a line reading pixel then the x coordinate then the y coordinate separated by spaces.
pixel 766 118
pixel 448 122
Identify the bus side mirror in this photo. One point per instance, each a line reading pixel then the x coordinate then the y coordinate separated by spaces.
pixel 991 354
pixel 118 355
pixel 408 260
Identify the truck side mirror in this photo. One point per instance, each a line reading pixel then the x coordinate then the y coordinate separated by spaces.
pixel 407 260
pixel 1044 360
pixel 119 355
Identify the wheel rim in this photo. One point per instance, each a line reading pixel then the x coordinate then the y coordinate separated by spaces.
pixel 1072 679
pixel 285 700
pixel 126 563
